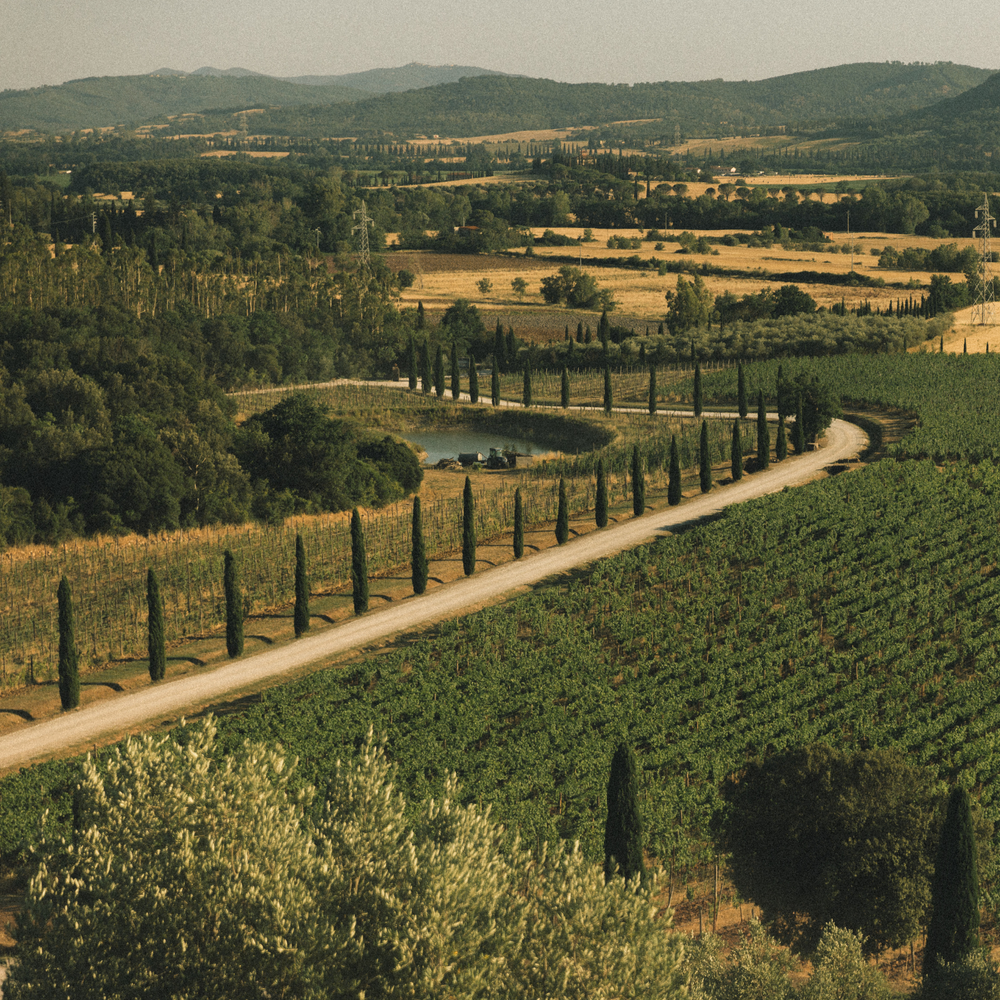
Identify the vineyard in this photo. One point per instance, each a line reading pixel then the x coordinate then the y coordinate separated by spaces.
pixel 109 575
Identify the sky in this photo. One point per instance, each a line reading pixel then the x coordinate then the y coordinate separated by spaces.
pixel 51 41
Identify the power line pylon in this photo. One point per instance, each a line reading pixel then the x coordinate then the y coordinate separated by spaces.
pixel 982 313
pixel 362 228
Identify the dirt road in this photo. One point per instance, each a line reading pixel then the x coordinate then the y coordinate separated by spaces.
pixel 170 699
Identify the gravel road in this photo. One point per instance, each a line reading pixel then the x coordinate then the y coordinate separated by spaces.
pixel 169 699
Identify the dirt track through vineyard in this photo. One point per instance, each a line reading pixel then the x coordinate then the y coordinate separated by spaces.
pixel 82 729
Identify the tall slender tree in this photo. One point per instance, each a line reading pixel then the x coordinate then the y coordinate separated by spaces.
pixel 418 555
pixel 359 564
pixel 473 382
pixel 564 388
pixel 608 398
pixel 736 452
pixel 495 387
pixel 421 320
pixel 456 386
pixel 674 478
pixel 741 391
pixel 526 393
pixel 234 605
pixel 601 502
pixel 69 669
pixel 623 835
pixel 763 435
pixel 704 459
pixel 301 614
pixel 652 390
pixel 953 931
pixel 499 350
pixel 799 429
pixel 638 483
pixel 439 372
pixel 156 644
pixel 468 529
pixel 697 391
pixel 425 367
pixel 562 515
pixel 518 524
pixel 411 363
pixel 781 444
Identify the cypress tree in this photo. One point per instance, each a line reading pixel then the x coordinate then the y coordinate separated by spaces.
pixel 704 460
pixel 562 517
pixel 511 350
pixel 495 387
pixel 473 382
pixel 420 316
pixel 579 333
pixel 953 931
pixel 518 524
pixel 638 483
pixel 697 390
pixel 763 435
pixel 359 564
pixel 439 372
pixel 799 429
pixel 674 482
pixel 156 637
pixel 468 529
pixel 736 453
pixel 941 349
pixel 418 557
pixel 564 388
pixel 526 386
pixel 301 615
pixel 965 346
pixel 425 367
pixel 642 350
pixel 652 390
pixel 623 849
pixel 69 671
pixel 741 391
pixel 601 503
pixel 234 606
pixel 411 364
pixel 499 350
pixel 456 388
pixel 604 328
pixel 608 400
pixel 781 445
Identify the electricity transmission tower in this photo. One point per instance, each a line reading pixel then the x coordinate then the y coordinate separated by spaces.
pixel 362 228
pixel 983 311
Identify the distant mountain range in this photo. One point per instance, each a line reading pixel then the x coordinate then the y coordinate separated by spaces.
pixel 459 101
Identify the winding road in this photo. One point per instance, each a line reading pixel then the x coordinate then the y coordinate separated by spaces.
pixel 120 715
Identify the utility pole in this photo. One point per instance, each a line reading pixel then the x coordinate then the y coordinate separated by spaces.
pixel 362 228
pixel 982 313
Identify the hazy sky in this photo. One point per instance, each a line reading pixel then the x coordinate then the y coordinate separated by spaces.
pixel 51 41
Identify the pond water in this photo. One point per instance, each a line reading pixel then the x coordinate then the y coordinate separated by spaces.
pixel 449 444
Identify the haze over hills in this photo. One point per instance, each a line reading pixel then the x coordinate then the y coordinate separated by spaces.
pixel 482 102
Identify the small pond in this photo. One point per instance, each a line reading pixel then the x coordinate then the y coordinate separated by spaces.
pixel 449 444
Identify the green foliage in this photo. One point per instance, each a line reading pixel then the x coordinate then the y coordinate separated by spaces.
pixel 608 394
pixel 781 444
pixel 418 554
pixel 439 372
pixel 518 524
pixel 473 382
pixel 495 387
pixel 300 616
pixel 564 389
pixel 974 977
pixel 69 672
pixel 841 970
pixel 953 931
pixel 819 405
pixel 234 605
pixel 623 836
pixel 652 391
pixel 359 564
pixel 756 970
pixel 799 434
pixel 576 288
pixel 468 529
pixel 156 637
pixel 526 384
pixel 601 497
pixel 704 460
pixel 638 476
pixel 674 476
pixel 562 515
pixel 763 435
pixel 793 825
pixel 741 391
pixel 736 453
pixel 697 400
pixel 456 388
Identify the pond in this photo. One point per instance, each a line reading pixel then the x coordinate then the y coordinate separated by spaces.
pixel 449 444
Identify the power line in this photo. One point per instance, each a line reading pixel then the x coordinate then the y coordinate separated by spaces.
pixel 983 310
